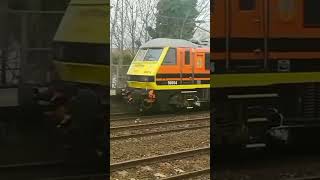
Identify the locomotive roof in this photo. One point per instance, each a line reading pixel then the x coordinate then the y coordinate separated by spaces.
pixel 165 42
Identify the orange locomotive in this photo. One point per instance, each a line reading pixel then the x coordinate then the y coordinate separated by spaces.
pixel 169 73
pixel 265 71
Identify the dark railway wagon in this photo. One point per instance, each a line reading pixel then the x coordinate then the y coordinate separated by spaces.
pixel 265 70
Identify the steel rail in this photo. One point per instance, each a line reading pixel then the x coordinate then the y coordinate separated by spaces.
pixel 157 132
pixel 120 114
pixel 188 174
pixel 154 159
pixel 170 115
pixel 139 126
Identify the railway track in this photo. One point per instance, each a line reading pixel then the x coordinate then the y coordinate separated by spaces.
pixel 132 116
pixel 155 159
pixel 194 153
pixel 157 132
pixel 126 128
pixel 204 123
pixel 122 115
pixel 188 174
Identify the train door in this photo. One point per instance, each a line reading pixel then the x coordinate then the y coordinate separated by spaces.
pixel 246 18
pixel 186 64
pixel 199 66
pixel 246 34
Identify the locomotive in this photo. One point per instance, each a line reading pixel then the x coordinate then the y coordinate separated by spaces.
pixel 77 98
pixel 265 72
pixel 169 74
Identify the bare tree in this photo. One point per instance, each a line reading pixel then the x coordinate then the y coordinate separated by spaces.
pixel 129 31
pixel 202 31
pixel 131 19
pixel 131 15
pixel 114 21
pixel 147 12
pixel 118 24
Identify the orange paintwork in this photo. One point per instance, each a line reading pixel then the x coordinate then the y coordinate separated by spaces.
pixel 285 22
pixel 272 55
pixel 250 24
pixel 197 62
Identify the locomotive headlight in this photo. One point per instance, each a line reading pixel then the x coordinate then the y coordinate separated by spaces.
pixel 145 79
pixel 140 78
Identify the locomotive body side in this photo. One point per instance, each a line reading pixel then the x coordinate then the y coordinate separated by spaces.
pixel 265 70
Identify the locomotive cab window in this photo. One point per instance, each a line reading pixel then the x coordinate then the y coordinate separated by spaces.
pixel 171 57
pixel 152 54
pixel 140 55
pixel 311 13
pixel 81 53
pixel 247 5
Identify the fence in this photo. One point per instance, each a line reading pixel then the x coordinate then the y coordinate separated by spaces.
pixel 29 53
pixel 118 76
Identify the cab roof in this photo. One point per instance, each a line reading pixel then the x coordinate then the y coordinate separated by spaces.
pixel 166 42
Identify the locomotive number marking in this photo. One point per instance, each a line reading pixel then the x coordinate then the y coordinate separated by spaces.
pixel 172 82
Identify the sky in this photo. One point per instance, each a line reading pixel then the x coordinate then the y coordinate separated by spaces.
pixel 201 33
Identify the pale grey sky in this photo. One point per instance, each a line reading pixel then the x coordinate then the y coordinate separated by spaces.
pixel 201 33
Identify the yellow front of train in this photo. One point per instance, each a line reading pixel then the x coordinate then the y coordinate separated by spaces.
pixel 143 92
pixel 144 67
pixel 79 96
pixel 81 51
pixel 141 77
pixel 82 43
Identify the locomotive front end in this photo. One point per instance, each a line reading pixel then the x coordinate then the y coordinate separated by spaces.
pixel 141 77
